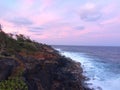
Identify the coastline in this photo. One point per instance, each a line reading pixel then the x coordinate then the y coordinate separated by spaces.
pixel 79 72
pixel 29 65
pixel 58 73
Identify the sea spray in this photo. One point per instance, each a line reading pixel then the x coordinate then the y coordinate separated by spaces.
pixel 103 72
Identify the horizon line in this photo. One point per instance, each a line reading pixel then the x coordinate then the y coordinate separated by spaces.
pixel 87 45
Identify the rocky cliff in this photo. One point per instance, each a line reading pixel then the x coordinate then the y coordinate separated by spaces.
pixel 28 65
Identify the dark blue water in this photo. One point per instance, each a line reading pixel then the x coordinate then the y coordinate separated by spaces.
pixel 100 64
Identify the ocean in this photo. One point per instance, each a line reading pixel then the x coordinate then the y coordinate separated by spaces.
pixel 101 64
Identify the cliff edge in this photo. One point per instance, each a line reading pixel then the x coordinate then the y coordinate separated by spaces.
pixel 28 65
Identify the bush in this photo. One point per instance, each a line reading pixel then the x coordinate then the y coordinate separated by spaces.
pixel 13 84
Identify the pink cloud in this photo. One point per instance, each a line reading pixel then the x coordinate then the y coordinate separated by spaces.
pixel 47 2
pixel 57 24
pixel 10 28
pixel 109 9
pixel 44 18
pixel 115 20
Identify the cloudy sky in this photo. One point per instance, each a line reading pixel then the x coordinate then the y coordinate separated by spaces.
pixel 64 22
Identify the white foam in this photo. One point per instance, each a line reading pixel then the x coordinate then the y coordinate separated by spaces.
pixel 96 73
pixel 109 84
pixel 58 49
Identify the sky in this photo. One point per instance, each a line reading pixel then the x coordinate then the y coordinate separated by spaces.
pixel 63 22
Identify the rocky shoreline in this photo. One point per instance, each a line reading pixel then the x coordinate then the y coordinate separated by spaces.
pixel 59 73
pixel 38 68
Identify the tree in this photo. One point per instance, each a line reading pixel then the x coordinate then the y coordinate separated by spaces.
pixel 2 40
pixel 22 38
pixel 0 27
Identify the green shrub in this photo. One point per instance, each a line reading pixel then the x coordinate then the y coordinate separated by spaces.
pixel 13 84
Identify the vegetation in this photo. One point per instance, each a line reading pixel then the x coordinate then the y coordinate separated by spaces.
pixel 14 47
pixel 9 46
pixel 13 84
pixel 28 65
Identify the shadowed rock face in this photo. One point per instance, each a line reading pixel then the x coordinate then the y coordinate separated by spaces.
pixel 6 67
pixel 53 74
pixel 42 67
pixel 62 74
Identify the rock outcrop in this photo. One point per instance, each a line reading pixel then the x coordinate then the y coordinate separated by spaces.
pixel 40 67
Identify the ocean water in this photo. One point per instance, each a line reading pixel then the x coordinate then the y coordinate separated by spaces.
pixel 100 64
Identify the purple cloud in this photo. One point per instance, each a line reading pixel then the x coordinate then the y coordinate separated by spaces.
pixel 79 28
pixel 20 21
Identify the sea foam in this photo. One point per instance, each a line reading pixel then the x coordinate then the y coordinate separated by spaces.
pixel 99 79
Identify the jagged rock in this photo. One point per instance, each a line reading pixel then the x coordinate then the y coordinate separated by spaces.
pixel 5 53
pixel 42 67
pixel 6 67
pixel 55 76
